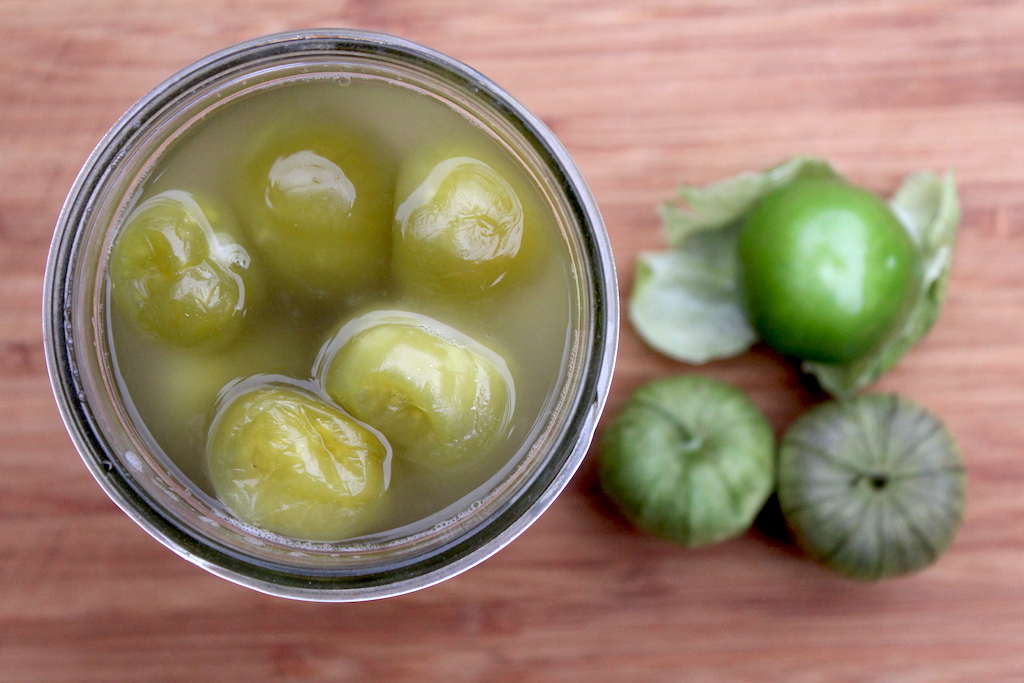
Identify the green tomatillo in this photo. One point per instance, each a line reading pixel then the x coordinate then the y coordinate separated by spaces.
pixel 282 458
pixel 827 268
pixel 873 486
pixel 690 459
pixel 316 202
pixel 439 397
pixel 177 273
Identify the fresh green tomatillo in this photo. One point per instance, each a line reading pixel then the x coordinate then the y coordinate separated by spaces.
pixel 828 270
pixel 873 486
pixel 690 459
pixel 693 301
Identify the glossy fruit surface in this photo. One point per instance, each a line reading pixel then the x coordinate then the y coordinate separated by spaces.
pixel 459 226
pixel 177 276
pixel 873 486
pixel 317 204
pixel 828 270
pixel 285 460
pixel 690 459
pixel 437 395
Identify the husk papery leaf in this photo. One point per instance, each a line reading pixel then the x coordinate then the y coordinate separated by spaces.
pixel 872 487
pixel 690 459
pixel 687 302
pixel 722 204
pixel 929 208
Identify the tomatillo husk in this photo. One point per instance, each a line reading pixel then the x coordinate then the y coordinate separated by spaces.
pixel 873 486
pixel 690 459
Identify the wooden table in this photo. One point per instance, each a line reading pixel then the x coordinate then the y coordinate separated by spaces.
pixel 645 94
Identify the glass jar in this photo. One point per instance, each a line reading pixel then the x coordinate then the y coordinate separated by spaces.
pixel 143 482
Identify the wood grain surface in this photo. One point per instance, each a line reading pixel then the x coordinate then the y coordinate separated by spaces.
pixel 645 94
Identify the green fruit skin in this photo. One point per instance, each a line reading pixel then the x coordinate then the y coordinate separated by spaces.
pixel 176 276
pixel 690 459
pixel 828 270
pixel 872 487
pixel 282 459
pixel 461 229
pixel 317 203
pixel 437 396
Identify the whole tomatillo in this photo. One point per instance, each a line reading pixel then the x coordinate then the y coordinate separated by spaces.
pixel 828 270
pixel 873 486
pixel 690 459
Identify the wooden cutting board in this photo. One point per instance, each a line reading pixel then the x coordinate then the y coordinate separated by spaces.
pixel 645 95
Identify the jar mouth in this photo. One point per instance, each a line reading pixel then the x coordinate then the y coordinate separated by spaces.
pixel 162 501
